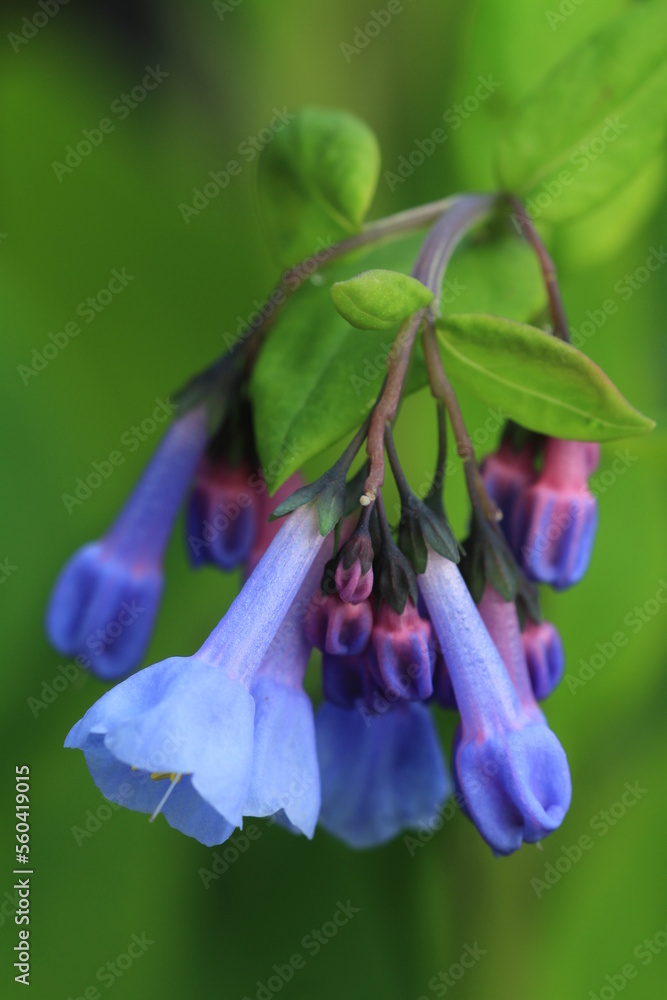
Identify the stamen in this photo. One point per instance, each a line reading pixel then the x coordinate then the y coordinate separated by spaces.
pixel 175 778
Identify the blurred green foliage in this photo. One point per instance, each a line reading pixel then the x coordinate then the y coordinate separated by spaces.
pixel 228 70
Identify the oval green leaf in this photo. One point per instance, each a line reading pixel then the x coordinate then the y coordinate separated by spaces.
pixel 538 381
pixel 594 121
pixel 316 180
pixel 378 299
pixel 316 379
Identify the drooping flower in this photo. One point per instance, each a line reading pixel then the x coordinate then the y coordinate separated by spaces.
pixel 201 704
pixel 554 520
pixel 285 776
pixel 379 775
pixel 401 653
pixel 105 601
pixel 340 628
pixel 354 572
pixel 511 769
pixel 507 473
pixel 224 514
pixel 545 657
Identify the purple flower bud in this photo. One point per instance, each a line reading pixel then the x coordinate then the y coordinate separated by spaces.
pixel 340 628
pixel 554 521
pixel 545 657
pixel 223 515
pixel 511 769
pixel 401 653
pixel 353 585
pixel 507 473
pixel 354 572
pixel 105 601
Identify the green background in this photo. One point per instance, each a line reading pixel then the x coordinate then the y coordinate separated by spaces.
pixel 418 908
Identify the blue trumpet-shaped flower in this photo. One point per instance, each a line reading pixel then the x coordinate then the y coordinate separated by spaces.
pixel 379 775
pixel 545 657
pixel 286 777
pixel 510 768
pixel 105 601
pixel 224 513
pixel 188 724
pixel 554 521
pixel 401 654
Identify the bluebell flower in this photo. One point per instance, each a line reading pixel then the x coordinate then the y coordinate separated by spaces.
pixel 510 768
pixel 286 777
pixel 545 657
pixel 402 653
pixel 340 628
pixel 105 601
pixel 343 679
pixel 507 473
pixel 379 775
pixel 224 511
pixel 554 520
pixel 188 724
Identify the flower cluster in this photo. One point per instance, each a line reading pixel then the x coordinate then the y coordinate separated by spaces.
pixel 231 732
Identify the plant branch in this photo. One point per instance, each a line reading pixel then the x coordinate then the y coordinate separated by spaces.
pixel 556 308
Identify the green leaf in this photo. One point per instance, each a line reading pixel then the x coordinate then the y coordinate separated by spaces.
pixel 316 180
pixel 317 377
pixel 536 379
pixel 378 299
pixel 595 120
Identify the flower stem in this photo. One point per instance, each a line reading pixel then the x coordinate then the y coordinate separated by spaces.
pixel 436 251
pixel 556 307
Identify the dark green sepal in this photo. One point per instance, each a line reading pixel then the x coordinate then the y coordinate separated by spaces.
pixel 489 559
pixel 216 387
pixel 395 579
pixel 329 491
pixel 420 528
